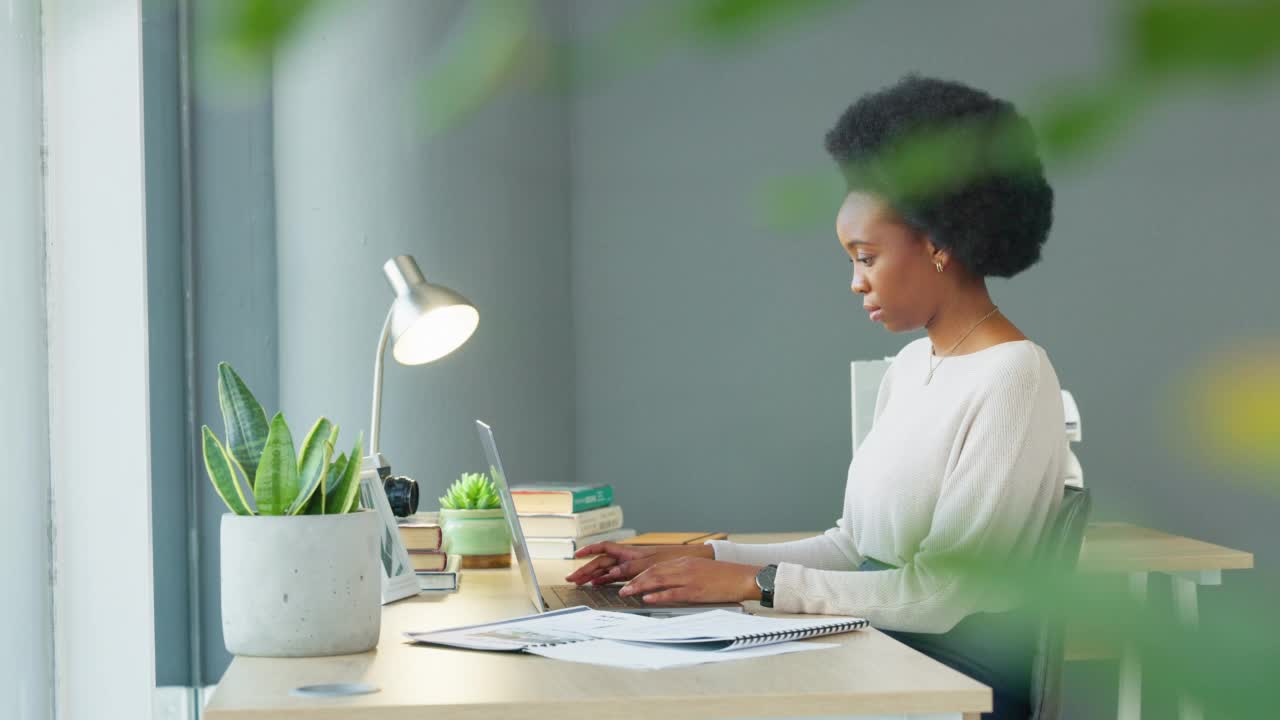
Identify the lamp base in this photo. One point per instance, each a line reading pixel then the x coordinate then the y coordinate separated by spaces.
pixel 377 463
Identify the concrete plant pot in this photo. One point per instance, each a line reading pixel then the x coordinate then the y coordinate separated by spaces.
pixel 301 585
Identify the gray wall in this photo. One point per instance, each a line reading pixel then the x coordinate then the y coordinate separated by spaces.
pixel 482 207
pixel 26 620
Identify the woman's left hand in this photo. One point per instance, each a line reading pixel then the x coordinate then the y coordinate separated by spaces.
pixel 694 579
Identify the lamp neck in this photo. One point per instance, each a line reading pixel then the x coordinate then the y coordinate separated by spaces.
pixel 403 274
pixel 376 422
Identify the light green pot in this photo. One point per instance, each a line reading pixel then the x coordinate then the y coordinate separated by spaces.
pixel 475 532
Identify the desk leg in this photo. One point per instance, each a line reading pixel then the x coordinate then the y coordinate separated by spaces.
pixel 1130 664
pixel 1186 606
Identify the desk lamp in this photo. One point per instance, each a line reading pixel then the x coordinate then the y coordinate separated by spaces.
pixel 425 323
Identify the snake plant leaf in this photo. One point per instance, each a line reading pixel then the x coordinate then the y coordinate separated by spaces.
pixel 343 498
pixel 313 462
pixel 244 420
pixel 315 506
pixel 243 482
pixel 276 484
pixel 324 497
pixel 223 474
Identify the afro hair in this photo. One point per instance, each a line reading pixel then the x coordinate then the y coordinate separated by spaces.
pixel 995 220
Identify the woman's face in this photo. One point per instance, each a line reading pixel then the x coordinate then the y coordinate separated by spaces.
pixel 893 265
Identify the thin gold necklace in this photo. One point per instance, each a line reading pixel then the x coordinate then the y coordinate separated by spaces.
pixel 933 367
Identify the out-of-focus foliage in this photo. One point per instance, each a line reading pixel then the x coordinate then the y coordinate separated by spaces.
pixel 735 21
pixel 1231 413
pixel 250 31
pixel 480 58
pixel 1231 37
pixel 495 44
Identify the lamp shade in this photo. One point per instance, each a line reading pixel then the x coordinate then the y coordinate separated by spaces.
pixel 427 321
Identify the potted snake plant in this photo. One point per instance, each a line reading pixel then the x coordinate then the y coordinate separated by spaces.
pixel 300 573
pixel 473 525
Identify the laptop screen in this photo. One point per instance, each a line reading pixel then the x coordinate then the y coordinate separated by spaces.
pixel 509 511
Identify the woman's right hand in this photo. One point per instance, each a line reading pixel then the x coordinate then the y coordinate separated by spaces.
pixel 617 563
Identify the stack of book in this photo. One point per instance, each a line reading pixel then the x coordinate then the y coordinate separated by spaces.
pixel 558 520
pixel 435 569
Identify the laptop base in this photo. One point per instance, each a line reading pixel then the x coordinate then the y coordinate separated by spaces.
pixel 606 597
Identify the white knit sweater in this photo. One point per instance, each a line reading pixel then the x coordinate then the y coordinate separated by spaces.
pixel 970 463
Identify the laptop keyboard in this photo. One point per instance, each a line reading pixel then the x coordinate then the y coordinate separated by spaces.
pixel 595 597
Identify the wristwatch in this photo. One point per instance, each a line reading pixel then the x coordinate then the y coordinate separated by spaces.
pixel 764 581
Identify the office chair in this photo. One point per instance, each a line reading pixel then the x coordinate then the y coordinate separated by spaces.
pixel 1057 556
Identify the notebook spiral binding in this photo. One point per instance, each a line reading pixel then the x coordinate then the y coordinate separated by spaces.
pixel 772 637
pixel 757 638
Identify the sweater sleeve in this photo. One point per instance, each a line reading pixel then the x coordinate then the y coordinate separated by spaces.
pixel 993 493
pixel 832 550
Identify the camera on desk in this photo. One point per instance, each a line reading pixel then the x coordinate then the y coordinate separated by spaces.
pixel 402 492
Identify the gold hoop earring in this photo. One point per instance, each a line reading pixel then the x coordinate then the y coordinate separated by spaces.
pixel 939 266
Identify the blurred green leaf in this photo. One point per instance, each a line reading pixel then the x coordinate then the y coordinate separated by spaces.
pixel 479 58
pixel 1168 36
pixel 1078 123
pixel 647 31
pixel 933 160
pixel 256 28
pixel 735 20
pixel 799 202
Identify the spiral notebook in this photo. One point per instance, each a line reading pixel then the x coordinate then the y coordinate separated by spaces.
pixel 720 630
pixel 711 631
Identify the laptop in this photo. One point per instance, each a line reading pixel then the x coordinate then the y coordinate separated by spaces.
pixel 556 597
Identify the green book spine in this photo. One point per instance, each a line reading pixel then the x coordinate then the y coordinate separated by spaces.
pixel 592 498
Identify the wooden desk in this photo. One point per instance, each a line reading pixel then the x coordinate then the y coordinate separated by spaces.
pixel 1123 548
pixel 868 676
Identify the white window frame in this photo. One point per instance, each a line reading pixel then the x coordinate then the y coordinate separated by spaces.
pixel 103 600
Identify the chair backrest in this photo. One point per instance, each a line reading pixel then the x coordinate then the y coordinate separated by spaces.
pixel 1057 555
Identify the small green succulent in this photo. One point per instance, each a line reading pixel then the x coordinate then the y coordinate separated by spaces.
pixel 471 491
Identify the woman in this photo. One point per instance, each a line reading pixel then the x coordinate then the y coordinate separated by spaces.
pixel 961 469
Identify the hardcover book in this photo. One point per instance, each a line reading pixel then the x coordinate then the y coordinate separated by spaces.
pixel 432 560
pixel 444 580
pixel 560 499
pixel 420 535
pixel 564 548
pixel 574 525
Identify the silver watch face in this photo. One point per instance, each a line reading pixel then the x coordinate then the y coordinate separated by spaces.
pixel 765 576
